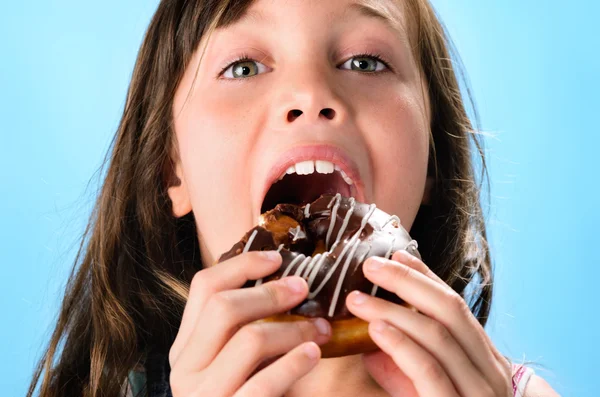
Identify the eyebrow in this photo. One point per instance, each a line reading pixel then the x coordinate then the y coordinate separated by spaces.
pixel 361 8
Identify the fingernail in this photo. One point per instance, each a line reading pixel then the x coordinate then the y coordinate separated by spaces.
pixel 322 326
pixel 295 284
pixel 374 263
pixel 272 256
pixel 358 298
pixel 311 350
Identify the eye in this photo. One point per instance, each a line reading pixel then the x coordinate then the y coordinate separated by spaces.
pixel 242 68
pixel 246 67
pixel 366 63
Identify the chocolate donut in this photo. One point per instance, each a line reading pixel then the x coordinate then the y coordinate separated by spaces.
pixel 326 242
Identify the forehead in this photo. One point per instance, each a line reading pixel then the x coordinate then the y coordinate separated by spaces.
pixel 271 13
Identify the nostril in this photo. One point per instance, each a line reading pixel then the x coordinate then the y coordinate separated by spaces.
pixel 294 114
pixel 328 112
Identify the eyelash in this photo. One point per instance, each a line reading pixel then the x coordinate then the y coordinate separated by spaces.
pixel 244 57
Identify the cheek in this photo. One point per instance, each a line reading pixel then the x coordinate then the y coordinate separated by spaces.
pixel 214 137
pixel 213 158
pixel 399 150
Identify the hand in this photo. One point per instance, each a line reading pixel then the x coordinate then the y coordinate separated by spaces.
pixel 441 351
pixel 219 352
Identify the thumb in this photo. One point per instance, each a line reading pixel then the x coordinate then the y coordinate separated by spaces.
pixel 387 374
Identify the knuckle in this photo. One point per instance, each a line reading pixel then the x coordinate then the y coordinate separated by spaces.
pixel 199 282
pixel 304 330
pixel 272 292
pixel 173 353
pixel 411 261
pixel 440 333
pixel 502 381
pixel 177 383
pixel 399 339
pixel 405 271
pixel 507 374
pixel 506 366
pixel 456 302
pixel 433 371
pixel 220 306
pixel 255 336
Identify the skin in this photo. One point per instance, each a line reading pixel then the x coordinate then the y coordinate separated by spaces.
pixel 229 133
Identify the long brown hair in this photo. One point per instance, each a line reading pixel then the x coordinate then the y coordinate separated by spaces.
pixel 131 275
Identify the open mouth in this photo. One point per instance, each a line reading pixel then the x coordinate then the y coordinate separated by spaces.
pixel 304 183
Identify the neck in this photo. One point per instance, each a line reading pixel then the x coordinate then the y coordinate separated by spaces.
pixel 342 376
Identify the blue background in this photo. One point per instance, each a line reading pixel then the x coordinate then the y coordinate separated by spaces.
pixel 533 67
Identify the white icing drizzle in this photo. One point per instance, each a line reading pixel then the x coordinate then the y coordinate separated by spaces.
pixel 387 256
pixel 260 280
pixel 355 242
pixel 315 270
pixel 295 232
pixel 374 290
pixel 333 199
pixel 328 275
pixel 389 253
pixel 303 264
pixel 346 220
pixel 392 218
pixel 362 258
pixel 338 287
pixel 306 209
pixel 309 266
pixel 288 269
pixel 250 240
pixel 346 248
pixel 337 199
pixel 306 263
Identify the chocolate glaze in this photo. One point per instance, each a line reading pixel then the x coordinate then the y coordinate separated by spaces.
pixel 311 245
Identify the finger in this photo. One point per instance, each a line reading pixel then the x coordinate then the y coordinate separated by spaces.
pixel 429 334
pixel 412 261
pixel 258 341
pixel 227 311
pixel 426 373
pixel 230 274
pixel 279 377
pixel 409 260
pixel 441 304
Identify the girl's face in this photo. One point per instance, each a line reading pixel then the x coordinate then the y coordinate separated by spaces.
pixel 308 93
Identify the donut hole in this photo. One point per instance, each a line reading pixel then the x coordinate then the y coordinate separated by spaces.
pixel 302 189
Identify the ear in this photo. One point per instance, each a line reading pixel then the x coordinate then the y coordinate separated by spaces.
pixel 428 193
pixel 178 191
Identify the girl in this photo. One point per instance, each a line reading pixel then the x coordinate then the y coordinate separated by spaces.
pixel 220 91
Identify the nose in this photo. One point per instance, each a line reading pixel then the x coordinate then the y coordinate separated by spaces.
pixel 307 95
pixel 327 113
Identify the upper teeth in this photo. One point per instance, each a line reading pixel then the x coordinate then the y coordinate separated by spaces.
pixel 322 167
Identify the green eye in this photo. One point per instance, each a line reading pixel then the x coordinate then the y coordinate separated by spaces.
pixel 365 63
pixel 244 69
